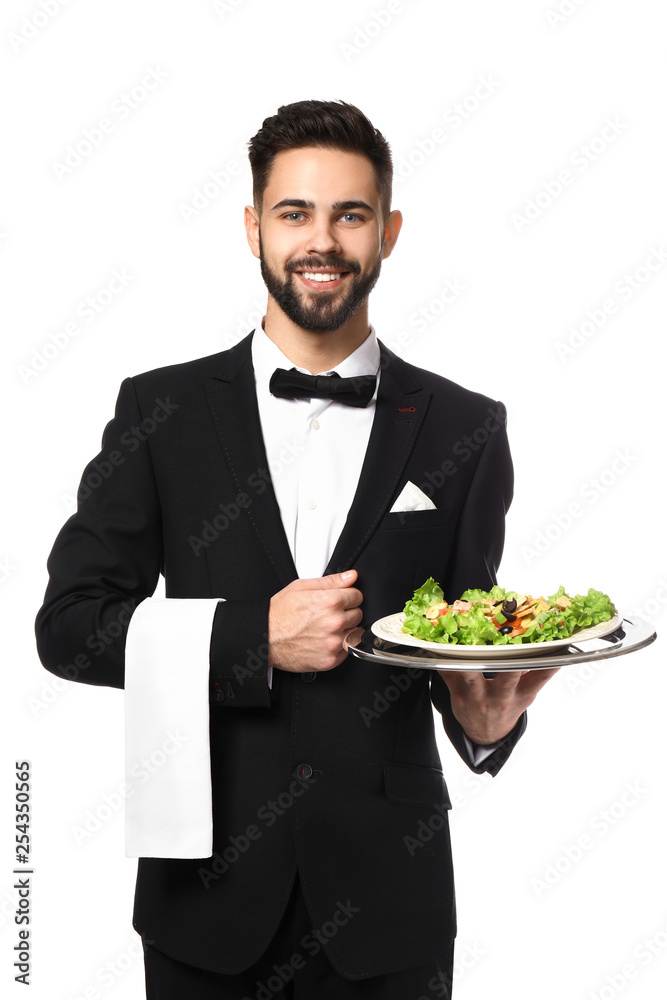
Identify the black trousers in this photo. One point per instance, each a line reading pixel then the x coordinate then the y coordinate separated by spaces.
pixel 293 967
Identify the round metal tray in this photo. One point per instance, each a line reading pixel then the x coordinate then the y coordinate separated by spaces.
pixel 630 635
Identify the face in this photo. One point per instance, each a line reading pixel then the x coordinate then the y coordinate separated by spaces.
pixel 321 238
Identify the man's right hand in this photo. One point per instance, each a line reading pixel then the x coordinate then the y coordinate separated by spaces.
pixel 309 620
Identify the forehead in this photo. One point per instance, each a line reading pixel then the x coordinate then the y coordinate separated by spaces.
pixel 323 176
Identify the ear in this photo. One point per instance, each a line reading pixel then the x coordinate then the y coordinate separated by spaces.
pixel 392 228
pixel 251 220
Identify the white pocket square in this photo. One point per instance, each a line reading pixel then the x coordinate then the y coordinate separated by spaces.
pixel 412 498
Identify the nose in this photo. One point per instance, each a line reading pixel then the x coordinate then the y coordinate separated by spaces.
pixel 321 238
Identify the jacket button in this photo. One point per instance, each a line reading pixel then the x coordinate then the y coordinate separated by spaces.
pixel 303 771
pixel 309 676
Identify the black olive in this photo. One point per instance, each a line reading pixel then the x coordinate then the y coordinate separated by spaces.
pixel 506 629
pixel 496 603
pixel 509 616
pixel 509 605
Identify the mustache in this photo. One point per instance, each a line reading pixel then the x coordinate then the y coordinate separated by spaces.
pixel 337 263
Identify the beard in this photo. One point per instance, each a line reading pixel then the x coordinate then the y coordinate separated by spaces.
pixel 319 312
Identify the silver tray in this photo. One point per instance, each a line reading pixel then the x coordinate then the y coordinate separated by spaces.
pixel 631 634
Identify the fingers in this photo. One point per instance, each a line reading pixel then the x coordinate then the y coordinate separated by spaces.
pixel 536 680
pixel 334 581
pixel 526 681
pixel 523 684
pixel 488 708
pixel 352 638
pixel 309 620
pixel 353 617
pixel 460 680
pixel 508 681
pixel 518 687
pixel 350 598
pixel 339 585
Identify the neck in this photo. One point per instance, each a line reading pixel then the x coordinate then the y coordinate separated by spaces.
pixel 316 352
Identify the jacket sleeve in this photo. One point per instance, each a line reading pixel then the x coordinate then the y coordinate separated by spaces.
pixel 239 656
pixel 477 552
pixel 492 763
pixel 107 558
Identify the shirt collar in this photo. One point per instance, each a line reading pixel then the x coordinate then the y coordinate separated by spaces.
pixel 266 357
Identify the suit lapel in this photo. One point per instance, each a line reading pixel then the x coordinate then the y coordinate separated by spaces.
pixel 233 401
pixel 399 411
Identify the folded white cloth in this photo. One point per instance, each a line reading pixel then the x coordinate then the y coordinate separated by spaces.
pixel 412 498
pixel 168 810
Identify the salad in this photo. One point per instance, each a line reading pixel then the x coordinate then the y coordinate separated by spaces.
pixel 501 617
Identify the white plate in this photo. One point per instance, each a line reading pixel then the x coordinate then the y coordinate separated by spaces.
pixel 389 628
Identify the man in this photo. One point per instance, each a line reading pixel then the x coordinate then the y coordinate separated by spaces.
pixel 310 885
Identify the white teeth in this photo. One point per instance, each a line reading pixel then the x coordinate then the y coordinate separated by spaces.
pixel 319 276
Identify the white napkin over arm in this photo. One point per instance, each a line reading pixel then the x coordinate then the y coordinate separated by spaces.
pixel 168 809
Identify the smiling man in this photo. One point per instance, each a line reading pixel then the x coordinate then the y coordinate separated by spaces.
pixel 321 774
pixel 349 225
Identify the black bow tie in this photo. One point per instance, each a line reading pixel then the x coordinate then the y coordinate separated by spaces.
pixel 292 384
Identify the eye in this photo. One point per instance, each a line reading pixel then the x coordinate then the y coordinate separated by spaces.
pixel 351 217
pixel 294 216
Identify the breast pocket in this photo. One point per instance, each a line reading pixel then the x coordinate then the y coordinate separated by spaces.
pixel 406 519
pixel 420 543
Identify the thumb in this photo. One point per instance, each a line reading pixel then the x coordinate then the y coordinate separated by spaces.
pixel 345 579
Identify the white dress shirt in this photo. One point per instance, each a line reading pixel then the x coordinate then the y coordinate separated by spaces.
pixel 315 450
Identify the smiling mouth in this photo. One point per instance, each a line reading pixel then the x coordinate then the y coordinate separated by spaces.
pixel 321 280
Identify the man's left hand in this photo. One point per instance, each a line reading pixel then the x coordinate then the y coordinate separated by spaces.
pixel 488 709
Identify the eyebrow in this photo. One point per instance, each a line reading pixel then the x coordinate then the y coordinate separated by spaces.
pixel 338 206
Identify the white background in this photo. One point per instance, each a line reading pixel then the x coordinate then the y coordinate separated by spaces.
pixel 552 84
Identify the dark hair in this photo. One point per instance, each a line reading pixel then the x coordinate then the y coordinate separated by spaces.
pixel 327 124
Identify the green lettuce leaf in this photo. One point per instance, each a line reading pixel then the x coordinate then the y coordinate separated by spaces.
pixel 473 628
pixel 592 609
pixel 428 594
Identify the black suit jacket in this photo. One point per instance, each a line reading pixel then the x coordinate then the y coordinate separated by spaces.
pixel 335 773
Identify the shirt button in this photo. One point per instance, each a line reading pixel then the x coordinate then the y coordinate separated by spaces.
pixel 315 424
pixel 303 772
pixel 309 676
pixel 311 505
